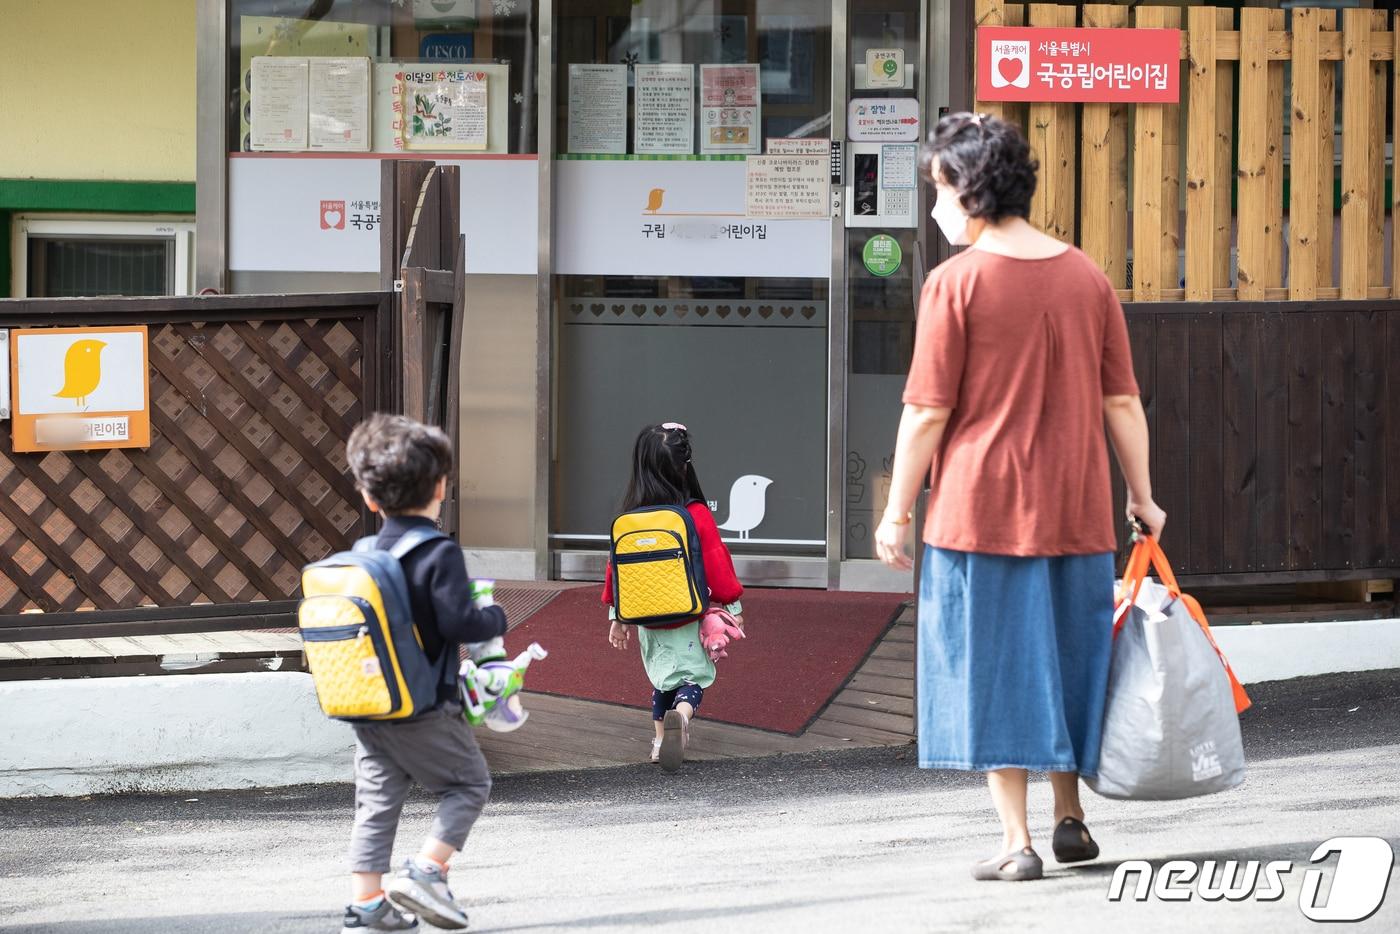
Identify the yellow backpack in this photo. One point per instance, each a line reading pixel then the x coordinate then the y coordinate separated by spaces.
pixel 364 652
pixel 658 570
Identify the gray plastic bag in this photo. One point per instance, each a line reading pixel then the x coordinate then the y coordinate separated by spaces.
pixel 1170 725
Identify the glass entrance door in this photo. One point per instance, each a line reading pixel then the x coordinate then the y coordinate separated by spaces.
pixel 672 300
pixel 885 226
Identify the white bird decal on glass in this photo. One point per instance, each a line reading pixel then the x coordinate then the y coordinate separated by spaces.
pixel 748 499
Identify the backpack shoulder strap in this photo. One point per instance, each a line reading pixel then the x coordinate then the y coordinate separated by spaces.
pixel 412 539
pixel 364 544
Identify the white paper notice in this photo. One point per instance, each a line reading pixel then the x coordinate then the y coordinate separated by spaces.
pixel 443 110
pixel 339 104
pixel 788 186
pixel 898 165
pixel 804 146
pixel 279 103
pixel 665 109
pixel 729 109
pixel 598 109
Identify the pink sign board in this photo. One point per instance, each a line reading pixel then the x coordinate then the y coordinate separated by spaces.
pixel 1078 65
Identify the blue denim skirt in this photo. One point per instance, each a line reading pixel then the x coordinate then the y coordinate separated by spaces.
pixel 1013 660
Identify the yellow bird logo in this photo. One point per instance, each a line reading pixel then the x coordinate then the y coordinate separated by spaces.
pixel 654 200
pixel 82 371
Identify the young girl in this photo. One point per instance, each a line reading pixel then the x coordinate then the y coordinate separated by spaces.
pixel 676 662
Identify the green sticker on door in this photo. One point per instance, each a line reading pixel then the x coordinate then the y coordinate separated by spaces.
pixel 882 255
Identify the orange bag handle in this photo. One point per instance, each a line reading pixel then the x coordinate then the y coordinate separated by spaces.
pixel 1148 554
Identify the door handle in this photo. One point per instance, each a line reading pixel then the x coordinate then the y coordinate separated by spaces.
pixel 918 275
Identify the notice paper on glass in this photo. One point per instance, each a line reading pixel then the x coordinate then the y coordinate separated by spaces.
pixel 278 103
pixel 729 109
pixel 898 165
pixel 799 146
pixel 440 110
pixel 339 104
pixel 598 109
pixel 785 187
pixel 665 109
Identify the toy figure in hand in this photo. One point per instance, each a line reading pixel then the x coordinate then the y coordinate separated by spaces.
pixel 489 683
pixel 717 628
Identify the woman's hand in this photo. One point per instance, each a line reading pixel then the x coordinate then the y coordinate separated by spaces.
pixel 618 635
pixel 889 544
pixel 1150 513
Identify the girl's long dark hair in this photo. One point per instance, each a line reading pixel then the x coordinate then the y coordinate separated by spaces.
pixel 662 472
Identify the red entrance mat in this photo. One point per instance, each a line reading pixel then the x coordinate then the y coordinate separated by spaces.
pixel 801 648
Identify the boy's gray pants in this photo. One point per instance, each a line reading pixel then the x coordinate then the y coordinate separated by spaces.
pixel 436 750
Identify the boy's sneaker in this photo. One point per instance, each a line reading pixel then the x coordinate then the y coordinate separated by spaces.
pixel 424 892
pixel 382 917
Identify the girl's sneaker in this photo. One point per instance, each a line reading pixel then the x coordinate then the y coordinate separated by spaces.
pixel 656 750
pixel 424 892
pixel 382 917
pixel 675 737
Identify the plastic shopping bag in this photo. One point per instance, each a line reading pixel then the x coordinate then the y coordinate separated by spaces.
pixel 1171 725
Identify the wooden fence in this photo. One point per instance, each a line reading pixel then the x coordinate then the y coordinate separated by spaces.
pixel 1275 437
pixel 1254 225
pixel 245 480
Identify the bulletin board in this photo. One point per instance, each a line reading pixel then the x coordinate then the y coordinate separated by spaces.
pixel 497 102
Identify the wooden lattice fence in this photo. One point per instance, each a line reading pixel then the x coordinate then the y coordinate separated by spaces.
pixel 252 399
pixel 1245 190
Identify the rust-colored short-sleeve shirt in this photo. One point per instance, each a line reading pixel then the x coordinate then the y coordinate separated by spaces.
pixel 1023 352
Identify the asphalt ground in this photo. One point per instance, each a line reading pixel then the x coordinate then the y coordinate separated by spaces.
pixel 850 841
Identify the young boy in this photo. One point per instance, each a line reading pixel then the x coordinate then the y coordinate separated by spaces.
pixel 401 468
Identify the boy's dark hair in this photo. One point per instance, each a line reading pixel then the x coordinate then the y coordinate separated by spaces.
pixel 662 472
pixel 986 160
pixel 398 461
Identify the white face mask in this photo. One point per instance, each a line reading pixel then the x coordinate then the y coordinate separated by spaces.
pixel 950 218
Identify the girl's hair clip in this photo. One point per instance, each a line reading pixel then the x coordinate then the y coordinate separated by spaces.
pixel 673 426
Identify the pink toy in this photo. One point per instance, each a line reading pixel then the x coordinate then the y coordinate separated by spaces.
pixel 717 628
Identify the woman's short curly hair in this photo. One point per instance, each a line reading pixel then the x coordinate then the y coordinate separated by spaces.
pixel 986 160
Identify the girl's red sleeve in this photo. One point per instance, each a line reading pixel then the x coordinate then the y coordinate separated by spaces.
pixel 719 566
pixel 607 584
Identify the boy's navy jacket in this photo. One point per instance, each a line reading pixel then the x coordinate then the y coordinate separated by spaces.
pixel 440 596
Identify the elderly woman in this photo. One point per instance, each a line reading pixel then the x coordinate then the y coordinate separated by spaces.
pixel 1021 360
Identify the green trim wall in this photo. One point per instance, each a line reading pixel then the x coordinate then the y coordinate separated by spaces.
pixel 25 195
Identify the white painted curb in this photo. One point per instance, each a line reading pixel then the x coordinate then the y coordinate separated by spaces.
pixel 167 733
pixel 201 732
pixel 1278 651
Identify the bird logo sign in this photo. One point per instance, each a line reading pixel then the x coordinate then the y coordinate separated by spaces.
pixel 82 371
pixel 748 501
pixel 80 388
